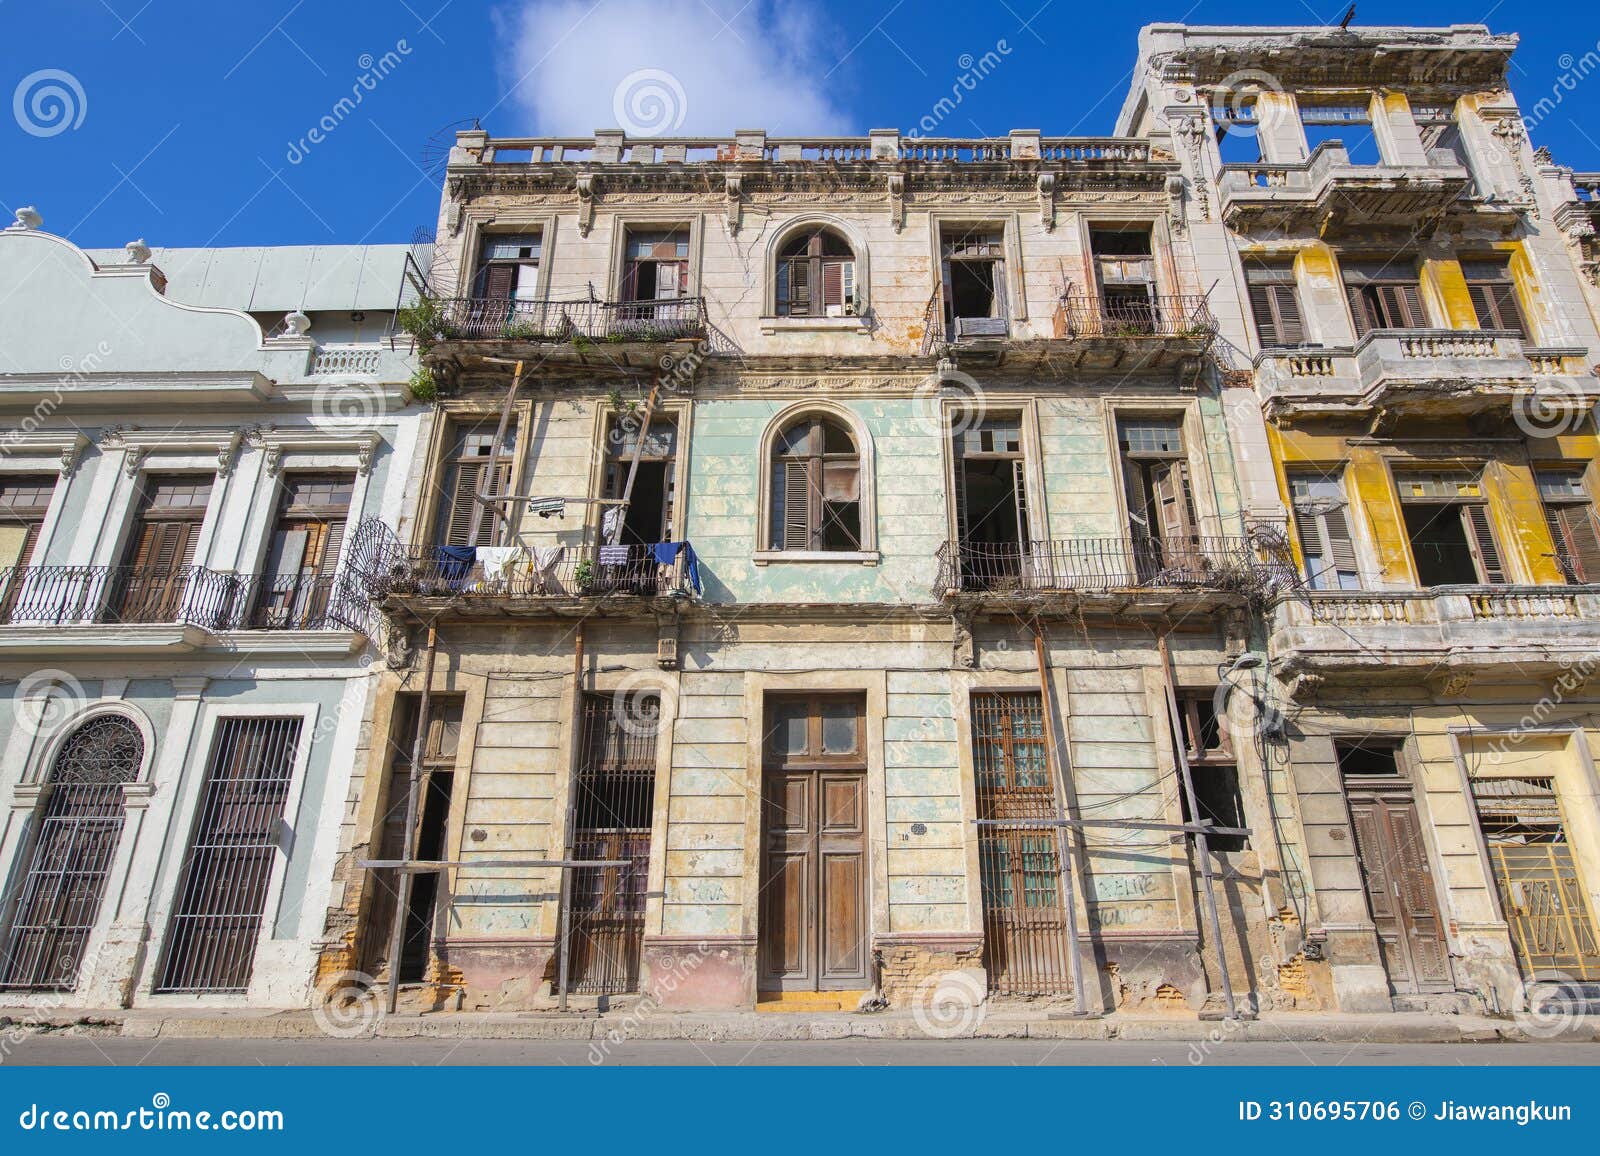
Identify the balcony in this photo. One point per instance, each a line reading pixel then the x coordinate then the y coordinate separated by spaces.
pixel 1392 373
pixel 574 582
pixel 1089 334
pixel 628 334
pixel 1579 218
pixel 1537 632
pixel 1112 574
pixel 1332 195
pixel 187 608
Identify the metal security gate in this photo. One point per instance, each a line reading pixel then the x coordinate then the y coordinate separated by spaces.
pixel 615 800
pixel 60 896
pixel 1024 924
pixel 211 940
pixel 1537 879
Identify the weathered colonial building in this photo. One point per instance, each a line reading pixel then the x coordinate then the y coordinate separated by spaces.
pixel 1404 290
pixel 184 436
pixel 938 426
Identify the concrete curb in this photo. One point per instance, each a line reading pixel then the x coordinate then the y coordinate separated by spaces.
pixel 750 1027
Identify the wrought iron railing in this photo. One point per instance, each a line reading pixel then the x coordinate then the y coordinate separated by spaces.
pixel 668 319
pixel 186 595
pixel 1107 565
pixel 434 572
pixel 1136 317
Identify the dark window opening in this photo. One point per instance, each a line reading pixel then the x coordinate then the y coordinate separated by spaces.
pixel 1162 523
pixel 649 515
pixel 991 501
pixel 974 274
pixel 1125 270
pixel 1362 757
pixel 816 488
pixel 656 265
pixel 508 267
pixel 1208 749
pixel 1448 543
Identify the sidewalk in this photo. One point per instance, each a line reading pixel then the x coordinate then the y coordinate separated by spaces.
pixel 752 1027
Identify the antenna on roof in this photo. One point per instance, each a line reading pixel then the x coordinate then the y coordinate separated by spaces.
pixel 1349 15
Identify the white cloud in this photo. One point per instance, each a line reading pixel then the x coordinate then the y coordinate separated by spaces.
pixel 670 67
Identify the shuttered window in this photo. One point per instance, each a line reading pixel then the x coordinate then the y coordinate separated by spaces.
pixel 1574 530
pixel 1384 295
pixel 815 276
pixel 508 266
pixel 1275 305
pixel 816 488
pixel 297 583
pixel 168 526
pixel 24 501
pixel 475 466
pixel 1447 520
pixel 1494 296
pixel 656 264
pixel 1322 523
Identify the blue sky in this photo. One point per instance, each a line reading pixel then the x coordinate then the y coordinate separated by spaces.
pixel 191 123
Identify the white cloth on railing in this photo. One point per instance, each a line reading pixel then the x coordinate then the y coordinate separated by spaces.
pixel 545 560
pixel 609 522
pixel 500 562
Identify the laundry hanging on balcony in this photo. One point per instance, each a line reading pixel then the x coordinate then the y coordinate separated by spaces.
pixel 666 554
pixel 613 555
pixel 500 563
pixel 456 562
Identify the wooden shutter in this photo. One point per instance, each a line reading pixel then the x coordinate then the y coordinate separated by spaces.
pixel 332 544
pixel 1000 309
pixel 458 526
pixel 1019 487
pixel 1277 314
pixel 1572 528
pixel 799 288
pixel 499 281
pixel 796 514
pixel 832 283
pixel 1341 544
pixel 1408 306
pixel 1134 486
pixel 961 492
pixel 1495 303
pixel 1481 538
pixel 1170 484
pixel 162 547
pixel 1359 313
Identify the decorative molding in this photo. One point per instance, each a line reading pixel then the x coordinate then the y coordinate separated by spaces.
pixel 1047 201
pixel 584 185
pixel 733 185
pixel 277 442
pixel 66 446
pixel 896 183
pixel 139 444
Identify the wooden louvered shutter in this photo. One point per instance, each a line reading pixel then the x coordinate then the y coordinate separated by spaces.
pixel 1481 537
pixel 1312 546
pixel 799 288
pixel 1277 315
pixel 499 281
pixel 1359 313
pixel 458 526
pixel 1577 541
pixel 1170 482
pixel 1000 306
pixel 165 546
pixel 832 283
pixel 332 544
pixel 1133 484
pixel 797 520
pixel 1408 307
pixel 960 494
pixel 1341 545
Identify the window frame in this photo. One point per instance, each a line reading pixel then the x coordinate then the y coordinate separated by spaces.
pixel 860 257
pixel 867 554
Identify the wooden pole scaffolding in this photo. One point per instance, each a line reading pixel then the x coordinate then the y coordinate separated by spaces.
pixel 1202 844
pixel 402 903
pixel 569 842
pixel 1064 844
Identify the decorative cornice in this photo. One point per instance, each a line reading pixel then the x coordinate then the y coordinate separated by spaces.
pixel 139 444
pixel 66 446
pixel 276 442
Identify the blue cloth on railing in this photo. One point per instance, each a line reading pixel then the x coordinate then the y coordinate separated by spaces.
pixel 455 562
pixel 666 553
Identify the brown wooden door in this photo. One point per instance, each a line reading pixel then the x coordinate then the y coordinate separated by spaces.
pixel 813 901
pixel 813 930
pixel 1400 889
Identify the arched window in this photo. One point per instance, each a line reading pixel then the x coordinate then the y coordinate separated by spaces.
pixel 816 488
pixel 77 837
pixel 816 276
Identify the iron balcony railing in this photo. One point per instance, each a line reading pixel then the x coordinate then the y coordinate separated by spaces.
pixel 486 318
pixel 184 595
pixel 1136 317
pixel 430 572
pixel 1107 566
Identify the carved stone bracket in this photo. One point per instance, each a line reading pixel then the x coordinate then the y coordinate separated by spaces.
pixel 733 194
pixel 584 183
pixel 897 200
pixel 1047 201
pixel 1177 209
pixel 1191 130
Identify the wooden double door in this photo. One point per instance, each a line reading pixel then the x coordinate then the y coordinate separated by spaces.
pixel 1400 887
pixel 813 912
